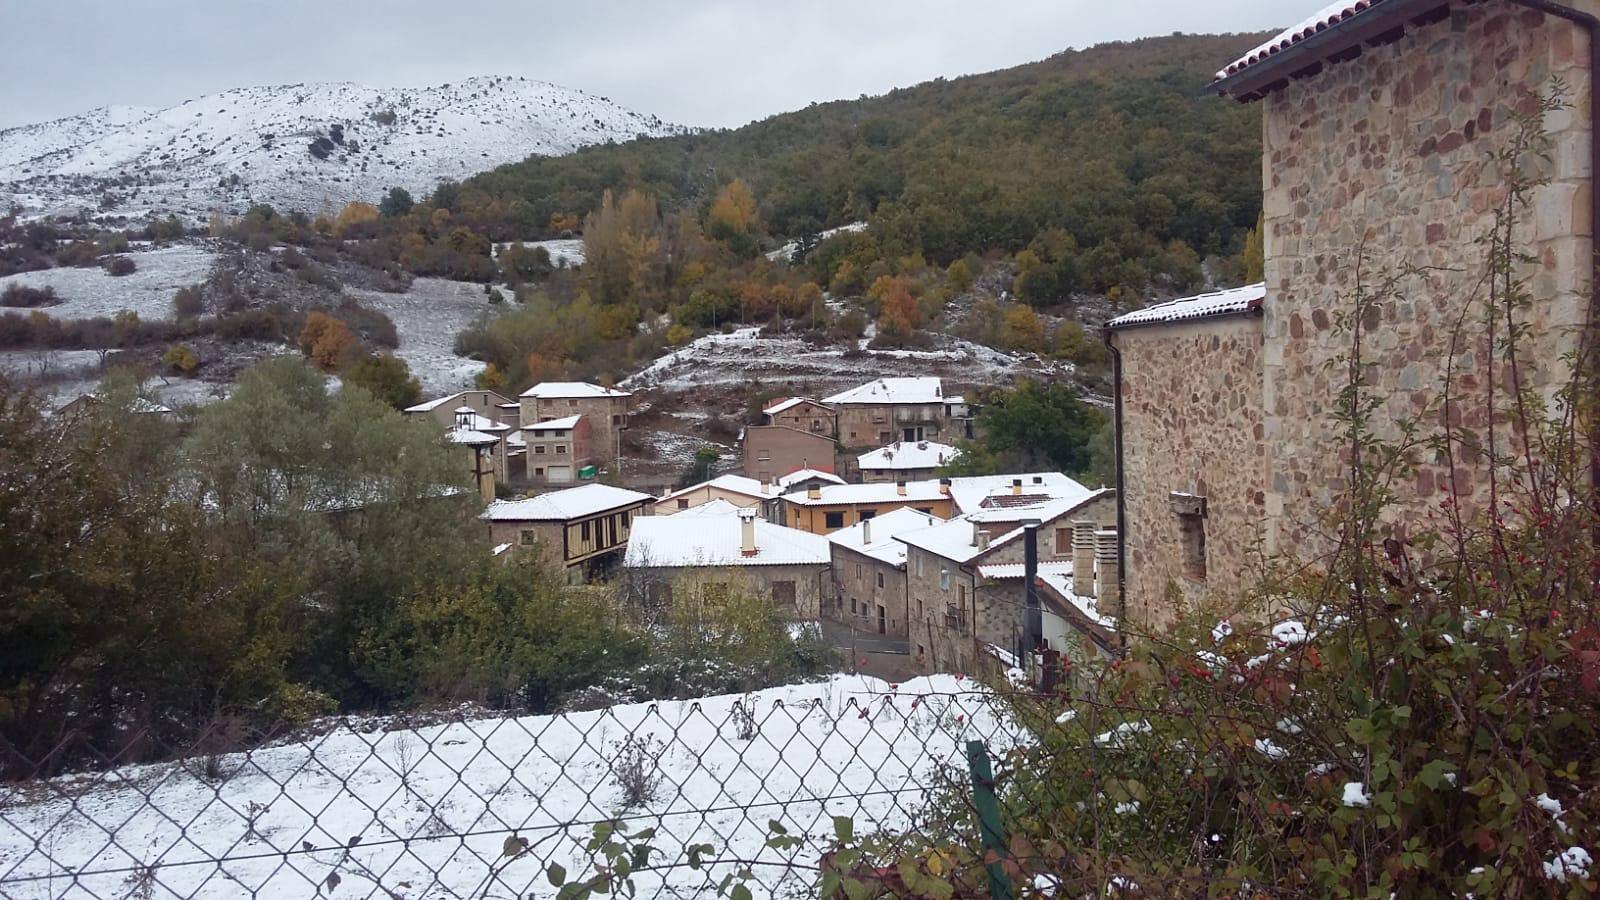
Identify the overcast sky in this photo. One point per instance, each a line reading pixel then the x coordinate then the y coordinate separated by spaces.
pixel 695 62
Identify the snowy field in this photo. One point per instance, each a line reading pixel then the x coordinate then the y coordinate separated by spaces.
pixel 427 318
pixel 90 292
pixel 745 355
pixel 385 811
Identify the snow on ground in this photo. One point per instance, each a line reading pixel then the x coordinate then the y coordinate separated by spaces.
pixel 787 251
pixel 563 251
pixel 91 292
pixel 427 318
pixel 288 815
pixel 744 355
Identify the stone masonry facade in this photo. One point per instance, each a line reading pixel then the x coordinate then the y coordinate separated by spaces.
pixel 1192 425
pixel 1386 155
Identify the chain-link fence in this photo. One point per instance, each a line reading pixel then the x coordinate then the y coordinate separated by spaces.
pixel 735 792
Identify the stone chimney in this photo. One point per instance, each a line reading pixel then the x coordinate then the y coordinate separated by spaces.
pixel 1108 587
pixel 944 487
pixel 1016 487
pixel 977 533
pixel 866 531
pixel 1083 543
pixel 747 532
pixel 900 487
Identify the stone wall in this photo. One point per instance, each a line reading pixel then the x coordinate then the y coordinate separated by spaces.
pixel 1192 423
pixel 810 585
pixel 940 612
pixel 607 416
pixel 863 426
pixel 863 585
pixel 1385 154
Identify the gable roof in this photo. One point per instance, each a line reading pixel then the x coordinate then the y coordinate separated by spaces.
pixel 1245 300
pixel 1337 32
pixel 714 541
pixel 799 475
pixel 572 503
pixel 884 528
pixel 909 455
pixel 566 423
pixel 717 507
pixel 954 540
pixel 733 484
pixel 881 492
pixel 974 493
pixel 779 406
pixel 576 390
pixel 892 390
pixel 435 403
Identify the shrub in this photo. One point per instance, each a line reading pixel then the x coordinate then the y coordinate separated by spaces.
pixel 181 359
pixel 22 296
pixel 189 301
pixel 386 377
pixel 637 769
pixel 120 265
pixel 325 340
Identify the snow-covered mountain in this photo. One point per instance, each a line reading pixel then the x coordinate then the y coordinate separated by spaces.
pixel 304 147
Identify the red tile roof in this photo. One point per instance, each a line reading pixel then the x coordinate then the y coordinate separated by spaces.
pixel 1323 19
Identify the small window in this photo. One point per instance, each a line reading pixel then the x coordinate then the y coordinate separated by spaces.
pixel 944 578
pixel 834 520
pixel 783 594
pixel 529 537
pixel 616 420
pixel 868 514
pixel 572 403
pixel 561 448
pixel 880 579
pixel 885 437
pixel 1192 532
pixel 538 449
pixel 764 455
pixel 852 606
pixel 962 593
pixel 682 503
pixel 1063 541
pixel 920 614
pixel 852 435
pixel 539 470
pixel 919 565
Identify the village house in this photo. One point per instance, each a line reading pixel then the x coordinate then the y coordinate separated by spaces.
pixel 962 611
pixel 801 414
pixel 743 491
pixel 869 573
pixel 583 530
pixel 709 557
pixel 1381 119
pixel 905 461
pixel 483 413
pixel 769 450
pixel 559 451
pixel 897 409
pixel 442 410
pixel 828 508
pixel 604 411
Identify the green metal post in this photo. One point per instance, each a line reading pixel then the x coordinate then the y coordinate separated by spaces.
pixel 988 807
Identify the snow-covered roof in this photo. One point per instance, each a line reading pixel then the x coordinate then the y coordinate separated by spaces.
pixel 661 542
pixel 1323 19
pixel 733 484
pixel 435 403
pixel 1008 571
pixel 975 493
pixel 565 423
pixel 1204 306
pixel 788 403
pixel 799 475
pixel 998 509
pixel 470 436
pixel 892 390
pixel 1061 583
pixel 883 529
pixel 954 540
pixel 717 507
pixel 572 503
pixel 909 455
pixel 884 492
pixel 576 390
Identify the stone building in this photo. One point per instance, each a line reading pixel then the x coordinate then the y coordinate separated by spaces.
pixel 1380 124
pixel 584 530
pixel 801 414
pixel 559 451
pixel 905 461
pixel 605 409
pixel 869 573
pixel 897 409
pixel 709 556
pixel 486 404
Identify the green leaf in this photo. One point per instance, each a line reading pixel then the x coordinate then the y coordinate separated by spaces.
pixel 1433 774
pixel 776 827
pixel 740 892
pixel 556 875
pixel 513 845
pixel 844 828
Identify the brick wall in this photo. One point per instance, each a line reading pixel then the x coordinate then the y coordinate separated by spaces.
pixel 772 451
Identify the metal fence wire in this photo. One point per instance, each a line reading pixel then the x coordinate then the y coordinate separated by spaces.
pixel 510 806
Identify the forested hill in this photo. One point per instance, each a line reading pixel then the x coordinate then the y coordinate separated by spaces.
pixel 1118 143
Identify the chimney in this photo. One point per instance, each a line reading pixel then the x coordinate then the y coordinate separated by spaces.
pixel 900 487
pixel 1083 557
pixel 944 487
pixel 1108 588
pixel 1016 487
pixel 747 532
pixel 983 540
pixel 866 531
pixel 1032 616
pixel 977 533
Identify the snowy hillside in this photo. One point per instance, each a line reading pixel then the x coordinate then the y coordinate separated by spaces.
pixel 425 812
pixel 299 146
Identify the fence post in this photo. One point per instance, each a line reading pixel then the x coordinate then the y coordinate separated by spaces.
pixel 988 807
